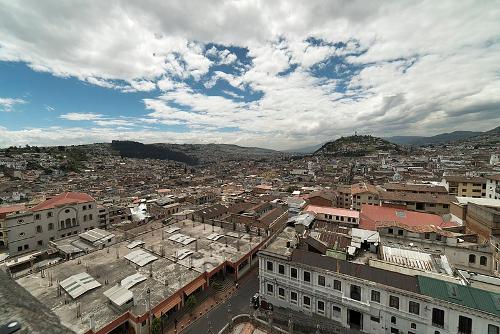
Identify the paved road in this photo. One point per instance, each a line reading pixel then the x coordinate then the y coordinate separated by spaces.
pixel 240 303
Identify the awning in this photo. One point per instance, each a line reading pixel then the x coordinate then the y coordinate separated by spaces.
pixel 195 285
pixel 170 305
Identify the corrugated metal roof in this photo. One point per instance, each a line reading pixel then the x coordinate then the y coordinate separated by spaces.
pixel 119 295
pixel 140 257
pixel 464 295
pixel 78 284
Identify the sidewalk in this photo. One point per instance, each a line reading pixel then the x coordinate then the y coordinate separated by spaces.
pixel 200 310
pixel 207 305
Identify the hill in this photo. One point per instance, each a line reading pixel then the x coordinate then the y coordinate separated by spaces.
pixel 356 146
pixel 192 154
pixel 132 149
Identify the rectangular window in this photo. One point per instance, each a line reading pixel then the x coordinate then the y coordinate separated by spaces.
pixel 37 216
pixel 90 217
pixel 374 319
pixel 306 301
pixel 394 302
pixel 437 317
pixel 337 285
pixel 49 214
pixel 355 292
pixel 307 276
pixel 492 329
pixel 321 280
pixel 414 307
pixel 269 266
pixel 321 307
pixel 394 330
pixel 336 311
pixel 293 273
pixel 293 297
pixel 40 242
pixel 281 293
pixel 464 325
pixel 270 288
pixel 281 269
pixel 375 296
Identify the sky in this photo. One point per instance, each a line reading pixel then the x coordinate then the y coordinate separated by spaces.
pixel 272 74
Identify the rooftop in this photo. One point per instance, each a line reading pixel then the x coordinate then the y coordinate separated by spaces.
pixel 398 196
pixel 63 199
pixel 332 211
pixel 371 216
pixel 460 294
pixel 109 266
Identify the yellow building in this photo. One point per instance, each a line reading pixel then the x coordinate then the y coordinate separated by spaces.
pixel 466 186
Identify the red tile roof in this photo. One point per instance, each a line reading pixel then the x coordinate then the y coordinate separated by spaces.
pixel 371 216
pixel 63 199
pixel 332 211
pixel 5 210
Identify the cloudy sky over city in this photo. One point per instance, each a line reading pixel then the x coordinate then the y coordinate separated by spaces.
pixel 274 74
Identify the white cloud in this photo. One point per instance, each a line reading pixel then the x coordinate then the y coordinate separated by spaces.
pixel 75 116
pixel 424 66
pixel 8 104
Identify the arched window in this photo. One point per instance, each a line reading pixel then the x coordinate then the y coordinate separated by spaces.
pixel 483 260
pixel 68 222
pixel 472 258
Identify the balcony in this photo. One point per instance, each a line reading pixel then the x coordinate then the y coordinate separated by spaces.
pixel 348 301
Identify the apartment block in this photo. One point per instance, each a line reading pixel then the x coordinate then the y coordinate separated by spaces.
pixel 466 186
pixel 493 186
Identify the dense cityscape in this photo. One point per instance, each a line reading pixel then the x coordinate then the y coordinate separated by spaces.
pixel 249 167
pixel 111 244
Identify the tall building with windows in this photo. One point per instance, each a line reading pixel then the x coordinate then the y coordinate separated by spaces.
pixel 29 229
pixel 374 300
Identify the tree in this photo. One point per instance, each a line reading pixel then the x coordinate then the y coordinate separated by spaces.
pixel 156 326
pixel 190 303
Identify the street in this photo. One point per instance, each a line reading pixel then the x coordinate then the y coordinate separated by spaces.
pixel 239 301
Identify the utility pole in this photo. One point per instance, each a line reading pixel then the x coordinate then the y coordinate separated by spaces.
pixel 148 291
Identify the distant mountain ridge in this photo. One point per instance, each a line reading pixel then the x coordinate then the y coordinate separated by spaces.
pixel 438 139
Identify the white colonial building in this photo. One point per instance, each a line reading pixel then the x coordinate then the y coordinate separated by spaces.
pixel 374 300
pixel 30 229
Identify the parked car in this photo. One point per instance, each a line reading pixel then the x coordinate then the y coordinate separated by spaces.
pixel 258 302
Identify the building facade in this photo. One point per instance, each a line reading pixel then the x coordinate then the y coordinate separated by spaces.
pixel 493 186
pixel 373 300
pixel 60 216
pixel 465 186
